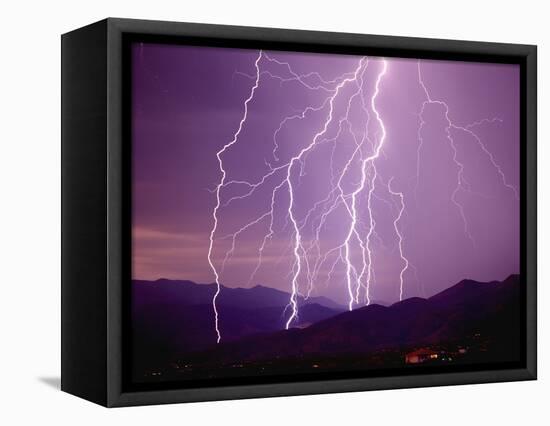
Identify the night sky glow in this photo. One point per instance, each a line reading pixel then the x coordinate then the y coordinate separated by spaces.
pixel 362 179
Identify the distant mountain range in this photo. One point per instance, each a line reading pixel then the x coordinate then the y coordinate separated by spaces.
pixel 190 293
pixel 174 318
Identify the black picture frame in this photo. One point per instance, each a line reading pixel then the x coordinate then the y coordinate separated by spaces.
pixel 96 230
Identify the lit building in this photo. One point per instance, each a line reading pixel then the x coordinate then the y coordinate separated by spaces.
pixel 420 356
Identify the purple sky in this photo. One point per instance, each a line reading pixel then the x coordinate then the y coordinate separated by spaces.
pixel 188 102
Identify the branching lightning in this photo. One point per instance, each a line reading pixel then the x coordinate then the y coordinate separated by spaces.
pixel 297 235
pixel 355 182
pixel 462 183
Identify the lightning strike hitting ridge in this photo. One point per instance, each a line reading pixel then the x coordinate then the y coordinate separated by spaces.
pixel 218 188
pixel 400 236
pixel 373 181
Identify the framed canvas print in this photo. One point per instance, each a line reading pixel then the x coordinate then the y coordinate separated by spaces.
pixel 255 212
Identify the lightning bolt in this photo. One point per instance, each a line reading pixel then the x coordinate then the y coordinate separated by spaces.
pixel 374 176
pixel 400 237
pixel 218 189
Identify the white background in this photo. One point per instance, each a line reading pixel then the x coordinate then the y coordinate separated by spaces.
pixel 30 211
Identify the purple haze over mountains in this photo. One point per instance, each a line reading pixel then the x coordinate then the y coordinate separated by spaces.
pixel 188 102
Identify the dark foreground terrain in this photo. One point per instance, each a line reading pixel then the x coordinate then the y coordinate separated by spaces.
pixel 173 339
